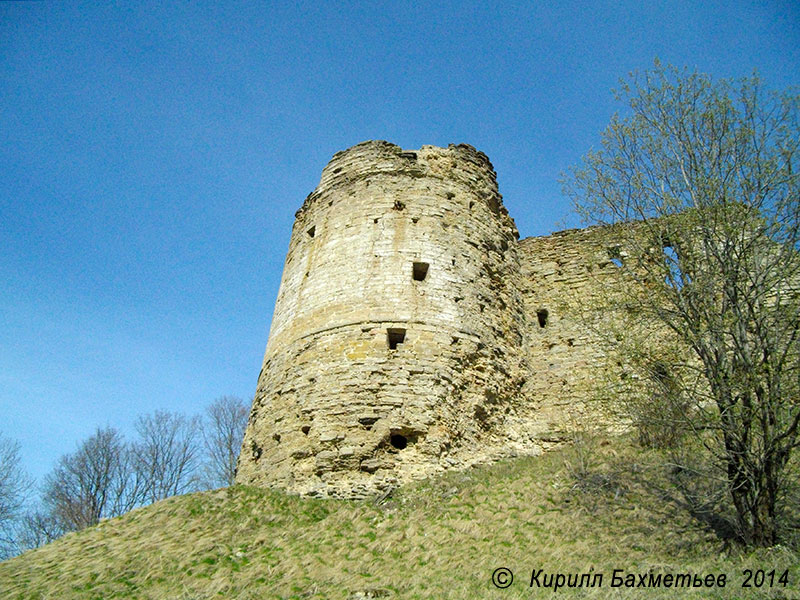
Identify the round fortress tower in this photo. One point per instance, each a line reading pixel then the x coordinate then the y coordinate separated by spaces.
pixel 395 346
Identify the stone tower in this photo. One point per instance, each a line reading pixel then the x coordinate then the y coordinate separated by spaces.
pixel 394 350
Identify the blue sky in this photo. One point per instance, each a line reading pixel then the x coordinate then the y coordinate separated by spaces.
pixel 153 156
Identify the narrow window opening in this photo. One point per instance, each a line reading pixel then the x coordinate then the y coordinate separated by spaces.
pixel 660 372
pixel 615 255
pixel 375 221
pixel 395 337
pixel 674 278
pixel 398 441
pixel 471 205
pixel 312 231
pixel 255 450
pixel 542 315
pixel 420 271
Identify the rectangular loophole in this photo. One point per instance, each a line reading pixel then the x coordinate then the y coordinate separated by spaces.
pixel 394 337
pixel 541 316
pixel 420 271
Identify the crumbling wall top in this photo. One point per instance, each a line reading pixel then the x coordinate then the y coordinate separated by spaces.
pixel 458 163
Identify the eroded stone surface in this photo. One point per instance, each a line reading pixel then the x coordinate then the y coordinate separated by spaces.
pixel 409 335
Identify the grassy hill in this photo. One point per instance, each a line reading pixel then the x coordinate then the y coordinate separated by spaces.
pixel 441 538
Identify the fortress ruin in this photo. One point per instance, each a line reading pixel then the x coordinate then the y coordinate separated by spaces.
pixel 414 332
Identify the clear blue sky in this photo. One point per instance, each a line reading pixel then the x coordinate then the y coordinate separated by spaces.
pixel 153 156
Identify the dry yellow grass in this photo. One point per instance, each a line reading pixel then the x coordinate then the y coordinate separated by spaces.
pixel 438 539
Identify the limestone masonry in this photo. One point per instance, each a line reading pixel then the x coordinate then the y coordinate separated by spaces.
pixel 413 332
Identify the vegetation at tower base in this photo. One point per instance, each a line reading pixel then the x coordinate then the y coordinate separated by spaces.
pixel 438 538
pixel 701 186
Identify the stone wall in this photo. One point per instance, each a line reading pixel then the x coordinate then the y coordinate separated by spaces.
pixel 561 277
pixel 413 333
pixel 393 351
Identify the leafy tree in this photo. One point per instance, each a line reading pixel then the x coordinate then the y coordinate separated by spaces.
pixel 223 430
pixel 700 187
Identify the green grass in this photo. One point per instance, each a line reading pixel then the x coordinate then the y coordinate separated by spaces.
pixel 440 538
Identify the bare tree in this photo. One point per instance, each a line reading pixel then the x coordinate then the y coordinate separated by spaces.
pixel 223 430
pixel 106 477
pixel 14 487
pixel 701 186
pixel 165 457
pixel 36 529
pixel 94 482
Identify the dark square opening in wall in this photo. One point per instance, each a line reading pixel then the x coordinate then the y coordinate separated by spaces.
pixel 542 315
pixel 395 337
pixel 420 271
pixel 312 231
pixel 398 441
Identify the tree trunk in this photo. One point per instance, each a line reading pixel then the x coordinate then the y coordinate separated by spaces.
pixel 764 533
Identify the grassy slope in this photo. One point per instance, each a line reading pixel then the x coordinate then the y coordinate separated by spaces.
pixel 438 539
